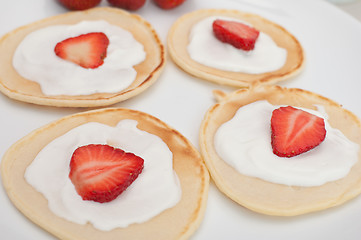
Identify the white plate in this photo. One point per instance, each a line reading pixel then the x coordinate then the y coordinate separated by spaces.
pixel 331 40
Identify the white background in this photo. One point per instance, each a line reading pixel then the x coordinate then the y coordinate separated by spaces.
pixel 332 42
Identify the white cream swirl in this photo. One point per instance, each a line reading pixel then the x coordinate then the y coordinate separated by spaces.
pixel 206 49
pixel 156 189
pixel 244 142
pixel 35 59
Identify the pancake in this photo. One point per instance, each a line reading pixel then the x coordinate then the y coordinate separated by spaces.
pixel 16 87
pixel 266 197
pixel 178 42
pixel 178 222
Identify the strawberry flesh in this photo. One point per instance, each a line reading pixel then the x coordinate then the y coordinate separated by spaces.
pixel 295 131
pixel 101 173
pixel 237 34
pixel 86 50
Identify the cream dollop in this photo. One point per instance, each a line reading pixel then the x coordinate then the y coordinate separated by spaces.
pixel 35 59
pixel 156 189
pixel 206 49
pixel 244 142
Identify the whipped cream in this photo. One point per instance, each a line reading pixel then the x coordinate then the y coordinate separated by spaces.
pixel 244 142
pixel 206 49
pixel 157 188
pixel 35 59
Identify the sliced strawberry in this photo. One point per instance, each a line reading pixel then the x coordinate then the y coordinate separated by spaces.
pixel 295 131
pixel 101 172
pixel 237 34
pixel 86 50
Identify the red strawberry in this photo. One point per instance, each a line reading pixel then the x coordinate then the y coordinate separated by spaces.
pixel 87 50
pixel 239 35
pixel 100 172
pixel 168 4
pixel 295 131
pixel 79 4
pixel 128 4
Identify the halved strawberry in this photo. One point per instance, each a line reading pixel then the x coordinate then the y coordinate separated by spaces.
pixel 239 35
pixel 295 131
pixel 101 172
pixel 86 50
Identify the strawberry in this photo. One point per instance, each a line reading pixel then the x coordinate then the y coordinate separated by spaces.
pixel 295 131
pixel 86 50
pixel 101 172
pixel 237 34
pixel 168 4
pixel 128 4
pixel 79 4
